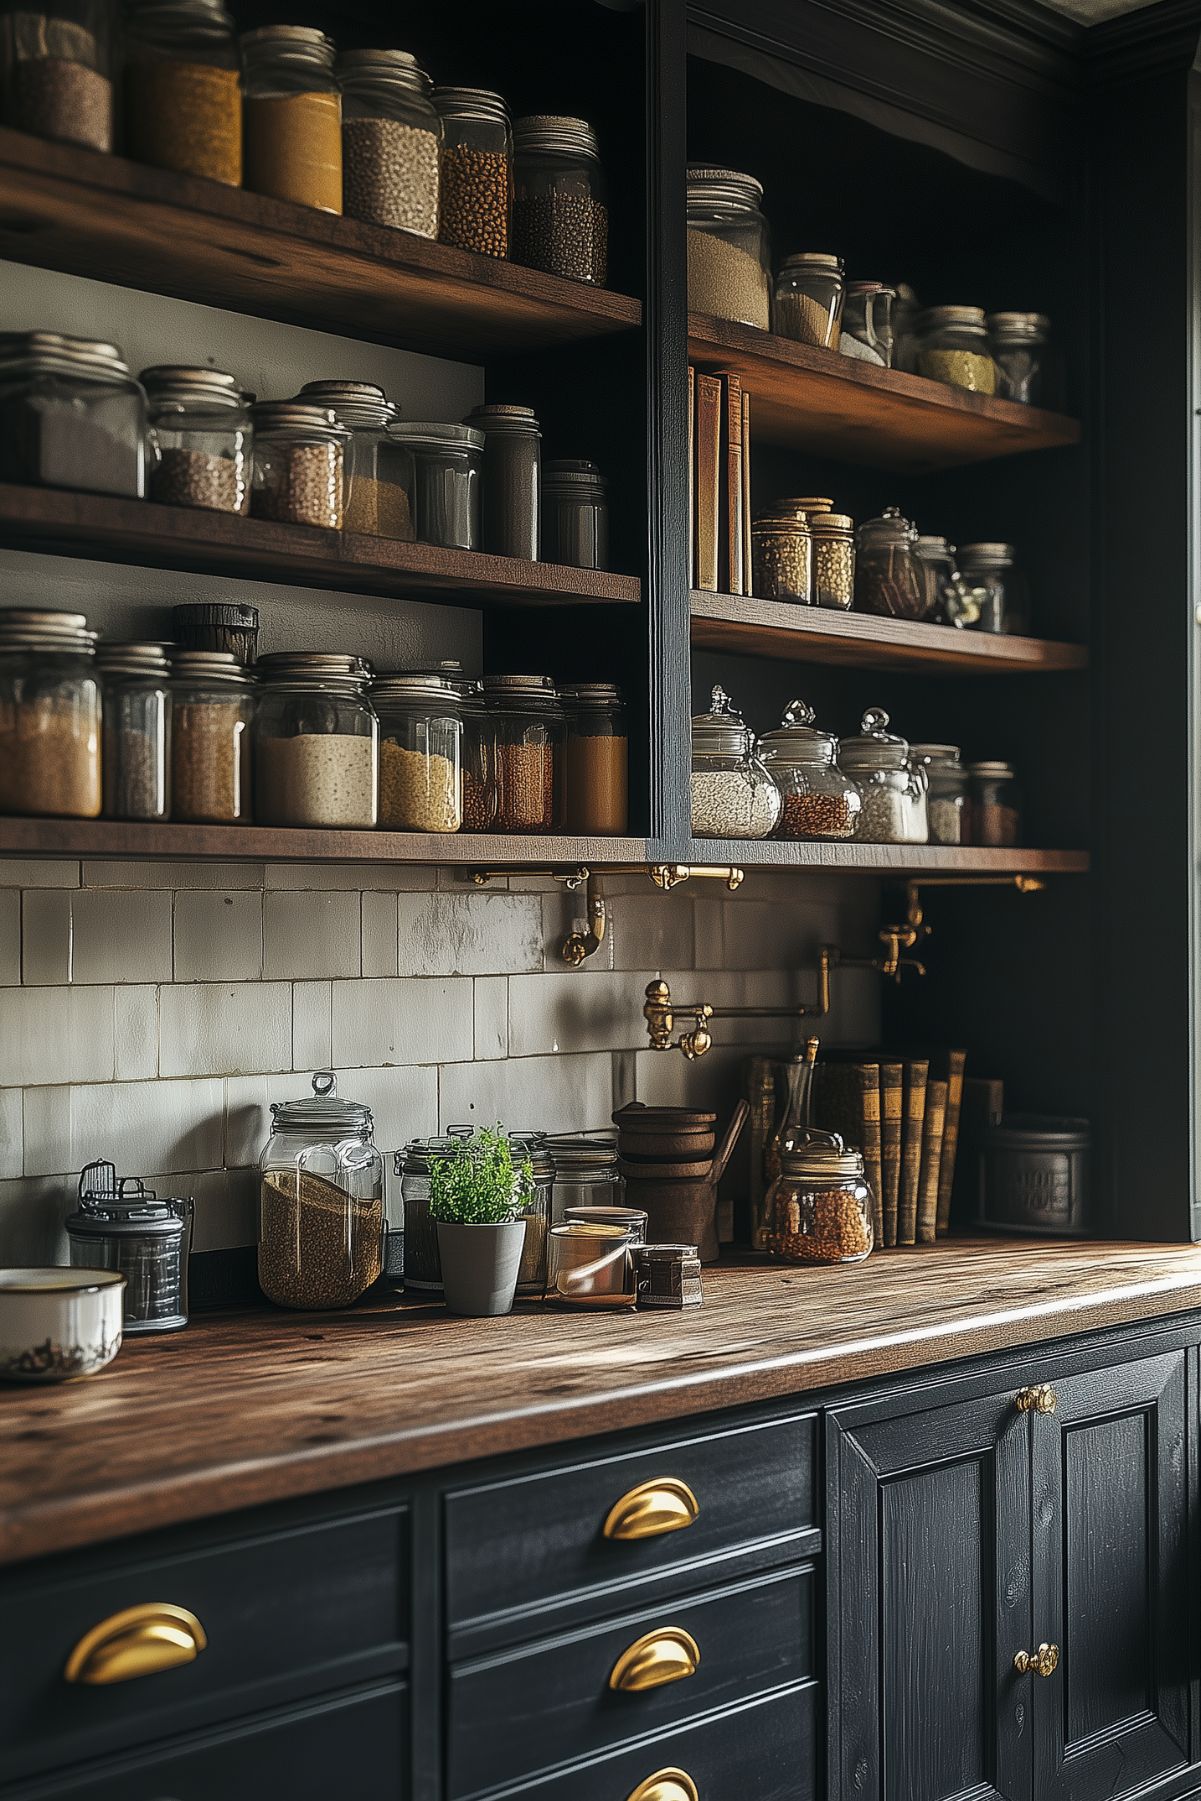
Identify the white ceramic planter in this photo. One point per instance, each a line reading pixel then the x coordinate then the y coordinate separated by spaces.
pixel 58 1323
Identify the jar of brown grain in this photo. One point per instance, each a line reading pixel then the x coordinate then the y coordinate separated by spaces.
pixel 299 464
pixel 477 170
pixel 212 709
pixel 595 759
pixel 50 714
pixel 527 743
pixel 183 88
pixel 292 116
pixel 819 1208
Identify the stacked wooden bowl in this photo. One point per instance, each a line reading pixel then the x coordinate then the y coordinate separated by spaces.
pixel 667 1156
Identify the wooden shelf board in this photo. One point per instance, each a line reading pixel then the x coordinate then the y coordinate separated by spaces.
pixel 138 531
pixel 885 859
pixel 118 221
pixel 774 628
pixel 817 400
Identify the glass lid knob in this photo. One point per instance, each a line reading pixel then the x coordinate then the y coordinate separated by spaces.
pixel 325 1083
pixel 719 700
pixel 875 723
pixel 799 712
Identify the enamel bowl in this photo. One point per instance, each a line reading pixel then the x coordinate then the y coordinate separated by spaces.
pixel 58 1323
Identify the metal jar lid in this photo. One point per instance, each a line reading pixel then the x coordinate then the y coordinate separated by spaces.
pixel 935 753
pixel 861 289
pixel 472 102
pixel 45 629
pixel 877 748
pixel 822 1156
pixel 297 416
pixel 1038 1132
pixel 504 419
pixel 723 185
pixel 823 261
pixel 1018 328
pixel 359 69
pixel 411 685
pixel 554 132
pixel 722 729
pixel 324 1110
pixel 177 385
pixel 666 1253
pixel 929 544
pixel 582 1153
pixel 987 556
pixel 296 44
pixel 55 349
pixel 417 1156
pixel 992 770
pixel 520 687
pixel 351 403
pixel 132 659
pixel 314 669
pixel 935 318
pixel 209 666
pixel 831 525
pixel 571 472
pixel 891 526
pixel 590 694
pixel 435 434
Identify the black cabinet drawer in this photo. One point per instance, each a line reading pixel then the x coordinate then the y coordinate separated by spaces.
pixel 289 1613
pixel 535 1544
pixel 519 1712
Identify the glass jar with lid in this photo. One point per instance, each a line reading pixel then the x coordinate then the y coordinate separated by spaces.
pixel 292 118
pixel 212 716
pixel 137 730
pixel 479 759
pixel 888 576
pixel 527 733
pixel 953 348
pixel 1005 597
pixel 936 573
pixel 316 742
pixel 819 1208
pixel 299 464
pixel 833 537
pixel 575 514
pixel 586 1172
pixel 391 141
pixel 946 800
pixel 201 435
pixel 819 800
pixel 56 70
pixel 782 555
pixel 418 1255
pixel 420 740
pixel 477 170
pixel 321 1201
pixel 596 759
pixel 733 796
pixel 71 415
pixel 808 298
pixel 893 786
pixel 183 88
pixel 729 250
pixel 449 461
pixel 377 469
pixel 531 1275
pixel 1018 342
pixel 994 805
pixel 560 203
pixel 511 487
pixel 50 714
pixel 867 330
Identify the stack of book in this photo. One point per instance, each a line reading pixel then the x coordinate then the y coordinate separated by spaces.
pixel 719 412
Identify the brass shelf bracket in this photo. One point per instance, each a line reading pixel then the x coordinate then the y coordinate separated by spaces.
pixel 667 876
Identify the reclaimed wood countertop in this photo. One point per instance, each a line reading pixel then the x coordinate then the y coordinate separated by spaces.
pixel 255 1406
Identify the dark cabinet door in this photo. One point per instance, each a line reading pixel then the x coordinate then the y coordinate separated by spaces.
pixel 1113 1567
pixel 929 1534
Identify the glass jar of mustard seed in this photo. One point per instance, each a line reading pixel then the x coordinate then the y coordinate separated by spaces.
pixel 391 141
pixel 819 1208
pixel 511 487
pixel 560 202
pixel 292 118
pixel 299 464
pixel 50 714
pixel 212 715
pixel 183 88
pixel 833 537
pixel 378 473
pixel 56 70
pixel 316 750
pixel 420 745
pixel 866 332
pixel 888 575
pixel 448 468
pixel 729 250
pixel 595 759
pixel 994 805
pixel 137 730
pixel 946 801
pixel 733 796
pixel 1018 342
pixel 201 435
pixel 893 786
pixel 953 348
pixel 808 299
pixel 575 514
pixel 820 801
pixel 477 170
pixel 71 415
pixel 527 736
pixel 782 557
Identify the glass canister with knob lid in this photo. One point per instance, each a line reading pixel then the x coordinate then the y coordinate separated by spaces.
pixel 733 796
pixel 893 786
pixel 946 802
pixel 819 800
pixel 321 1201
pixel 729 251
pixel 819 1208
pixel 888 576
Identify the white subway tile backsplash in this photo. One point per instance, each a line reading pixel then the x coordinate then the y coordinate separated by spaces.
pixel 10 936
pixel 403 1102
pixel 247 1117
pixel 55 1035
pixel 312 1025
pixel 135 1032
pixel 226 1205
pixel 120 936
pixel 651 930
pixel 11 1132
pixel 348 878
pixel 139 1126
pixel 379 934
pixel 557 1094
pixel 403 1021
pixel 31 1220
pixel 572 1012
pixel 469 934
pixel 45 937
pixel 172 876
pixel 223 1028
pixel 491 1017
pixel 311 935
pixel 32 872
pixel 218 937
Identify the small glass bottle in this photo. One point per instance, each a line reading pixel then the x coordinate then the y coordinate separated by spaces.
pixel 477 170
pixel 575 514
pixel 292 116
pixel 50 714
pixel 946 802
pixel 888 577
pixel 377 470
pixel 820 801
pixel 299 452
pixel 733 796
pixel 819 1208
pixel 212 713
pixel 316 742
pixel 867 331
pixel 833 537
pixel 729 250
pixel 1005 596
pixel 782 557
pixel 560 205
pixel 137 731
pixel 511 489
pixel 56 70
pixel 953 348
pixel 448 464
pixel 994 806
pixel 596 758
pixel 1018 342
pixel 391 142
pixel 71 415
pixel 183 88
pixel 893 787
pixel 808 299
pixel 201 433
pixel 528 732
pixel 420 771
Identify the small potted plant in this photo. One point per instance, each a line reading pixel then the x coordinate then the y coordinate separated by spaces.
pixel 476 1197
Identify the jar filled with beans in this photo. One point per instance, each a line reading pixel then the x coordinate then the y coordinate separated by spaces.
pixel 782 557
pixel 527 738
pixel 377 469
pixel 316 749
pixel 292 117
pixel 391 141
pixel 477 170
pixel 183 88
pixel 299 464
pixel 820 801
pixel 420 741
pixel 50 714
pixel 560 203
pixel 137 730
pixel 200 434
pixel 819 1208
pixel 212 713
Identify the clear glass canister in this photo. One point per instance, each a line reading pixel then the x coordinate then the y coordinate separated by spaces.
pixel 1018 342
pixel 50 714
pixel 833 537
pixel 137 730
pixel 596 759
pixel 808 299
pixel 729 251
pixel 819 1208
pixel 316 752
pixel 477 170
pixel 391 141
pixel 418 1255
pixel 867 330
pixel 420 743
pixel 936 573
pixel 733 796
pixel 56 70
pixel 953 348
pixel 449 461
pixel 560 203
pixel 479 760
pixel 528 731
pixel 782 557
pixel 575 514
pixel 201 436
pixel 994 805
pixel 946 801
pixel 212 715
pixel 293 116
pixel 893 786
pixel 586 1173
pixel 888 576
pixel 183 88
pixel 299 464
pixel 531 1276
pixel 511 489
pixel 377 469
pixel 1005 597
pixel 321 1201
pixel 820 801
pixel 71 415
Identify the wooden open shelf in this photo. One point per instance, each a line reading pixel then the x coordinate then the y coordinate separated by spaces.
pixel 817 400
pixel 885 859
pixel 118 221
pixel 774 628
pixel 138 531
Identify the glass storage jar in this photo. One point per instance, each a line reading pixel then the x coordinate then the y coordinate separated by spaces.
pixel 1005 597
pixel 531 1275
pixel 994 806
pixel 299 464
pixel 292 118
pixel 596 756
pixel 819 1208
pixel 477 170
pixel 782 556
pixel 201 436
pixel 56 70
pixel 1018 342
pixel 819 800
pixel 946 800
pixel 391 141
pixel 953 348
pixel 420 739
pixel 50 714
pixel 888 576
pixel 182 88
pixel 511 485
pixel 893 786
pixel 560 203
pixel 212 713
pixel 321 1201
pixel 527 732
pixel 575 514
pixel 448 463
pixel 733 796
pixel 377 469
pixel 137 730
pixel 833 537
pixel 729 252
pixel 479 760
pixel 808 298
pixel 71 415
pixel 316 742
pixel 936 572
pixel 586 1173
pixel 419 1258
pixel 867 331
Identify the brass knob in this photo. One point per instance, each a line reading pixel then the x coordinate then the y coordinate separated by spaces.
pixel 664 1504
pixel 1043 1662
pixel 668 1655
pixel 1040 1398
pixel 139 1641
pixel 667 1785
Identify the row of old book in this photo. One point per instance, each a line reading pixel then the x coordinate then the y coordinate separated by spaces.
pixel 719 466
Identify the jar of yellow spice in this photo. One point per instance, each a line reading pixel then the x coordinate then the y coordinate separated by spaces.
pixel 293 116
pixel 183 88
pixel 953 348
pixel 420 771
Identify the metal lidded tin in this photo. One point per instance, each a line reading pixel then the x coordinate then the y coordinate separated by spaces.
pixel 1034 1176
pixel 589 1266
pixel 122 1225
pixel 667 1275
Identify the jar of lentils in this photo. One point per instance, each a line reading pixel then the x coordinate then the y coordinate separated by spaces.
pixel 733 796
pixel 809 293
pixel 893 786
pixel 420 739
pixel 377 469
pixel 833 537
pixel 888 576
pixel 183 88
pixel 575 514
pixel 299 464
pixel 819 1208
pixel 201 436
pixel 560 203
pixel 477 170
pixel 946 801
pixel 819 800
pixel 729 251
pixel 212 715
pixel 137 730
pixel 448 465
pixel 316 742
pixel 391 141
pixel 50 714
pixel 782 556
pixel 71 415
pixel 56 70
pixel 527 735
pixel 953 348
pixel 293 116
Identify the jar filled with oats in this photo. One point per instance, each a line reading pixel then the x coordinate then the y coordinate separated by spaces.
pixel 316 749
pixel 819 1208
pixel 299 464
pixel 183 88
pixel 420 738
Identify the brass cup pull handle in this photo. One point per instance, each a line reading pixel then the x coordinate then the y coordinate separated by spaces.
pixel 139 1641
pixel 1041 1398
pixel 667 1655
pixel 667 1785
pixel 1043 1662
pixel 664 1504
